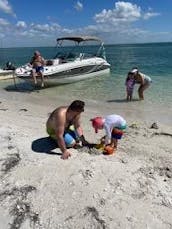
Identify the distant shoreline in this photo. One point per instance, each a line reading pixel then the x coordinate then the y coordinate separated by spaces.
pixel 106 44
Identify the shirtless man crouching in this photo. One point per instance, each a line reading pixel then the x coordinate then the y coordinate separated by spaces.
pixel 64 126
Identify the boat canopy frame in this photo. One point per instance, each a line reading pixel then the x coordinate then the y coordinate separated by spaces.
pixel 79 39
pixel 82 39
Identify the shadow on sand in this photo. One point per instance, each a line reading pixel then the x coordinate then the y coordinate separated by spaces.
pixel 21 87
pixel 45 145
pixel 121 101
pixel 27 87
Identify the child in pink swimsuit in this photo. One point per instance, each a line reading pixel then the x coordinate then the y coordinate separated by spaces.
pixel 130 81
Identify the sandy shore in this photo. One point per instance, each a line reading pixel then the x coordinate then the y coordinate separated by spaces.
pixel 130 189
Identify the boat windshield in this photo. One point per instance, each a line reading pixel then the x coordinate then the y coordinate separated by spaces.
pixel 71 48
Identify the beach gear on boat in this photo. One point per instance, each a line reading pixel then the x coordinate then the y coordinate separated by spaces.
pixel 97 123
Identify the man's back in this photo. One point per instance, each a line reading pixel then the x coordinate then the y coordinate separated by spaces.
pixel 58 115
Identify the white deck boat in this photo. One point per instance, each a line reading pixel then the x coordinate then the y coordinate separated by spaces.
pixel 75 65
pixel 7 72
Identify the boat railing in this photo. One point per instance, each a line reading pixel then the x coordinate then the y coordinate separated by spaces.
pixel 64 57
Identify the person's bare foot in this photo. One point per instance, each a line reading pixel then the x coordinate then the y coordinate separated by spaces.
pixel 42 84
pixel 35 82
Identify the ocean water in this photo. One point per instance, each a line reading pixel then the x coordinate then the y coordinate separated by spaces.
pixel 153 59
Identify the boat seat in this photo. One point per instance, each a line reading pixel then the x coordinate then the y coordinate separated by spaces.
pixel 49 62
pixel 70 56
pixel 56 61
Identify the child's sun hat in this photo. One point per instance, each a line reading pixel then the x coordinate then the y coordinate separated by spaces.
pixel 97 123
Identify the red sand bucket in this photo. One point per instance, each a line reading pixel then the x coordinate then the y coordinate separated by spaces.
pixel 108 150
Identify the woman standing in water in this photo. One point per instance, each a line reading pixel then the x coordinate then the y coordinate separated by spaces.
pixel 141 79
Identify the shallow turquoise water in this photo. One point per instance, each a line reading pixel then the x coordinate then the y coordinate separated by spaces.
pixel 152 59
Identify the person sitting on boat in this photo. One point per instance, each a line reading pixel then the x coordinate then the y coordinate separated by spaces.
pixel 37 63
pixel 64 126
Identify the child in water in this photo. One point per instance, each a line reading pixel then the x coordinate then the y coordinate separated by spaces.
pixel 129 82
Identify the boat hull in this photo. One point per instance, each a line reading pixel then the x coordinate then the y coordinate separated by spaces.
pixel 69 67
pixel 70 72
pixel 53 80
pixel 6 74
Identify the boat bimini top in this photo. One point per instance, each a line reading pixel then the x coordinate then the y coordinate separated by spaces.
pixel 79 39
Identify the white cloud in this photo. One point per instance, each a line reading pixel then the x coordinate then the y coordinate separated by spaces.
pixel 3 22
pixel 150 14
pixel 21 25
pixel 46 28
pixel 123 12
pixel 40 27
pixel 55 26
pixel 6 7
pixel 116 25
pixel 78 6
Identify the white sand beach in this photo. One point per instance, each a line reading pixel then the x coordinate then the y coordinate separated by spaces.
pixel 130 189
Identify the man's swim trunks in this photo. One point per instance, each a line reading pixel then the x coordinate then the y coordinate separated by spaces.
pixel 69 135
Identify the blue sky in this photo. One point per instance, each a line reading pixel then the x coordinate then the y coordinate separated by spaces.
pixel 40 22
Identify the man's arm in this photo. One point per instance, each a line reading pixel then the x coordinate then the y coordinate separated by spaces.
pixel 43 61
pixel 78 128
pixel 31 62
pixel 107 129
pixel 77 125
pixel 59 131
